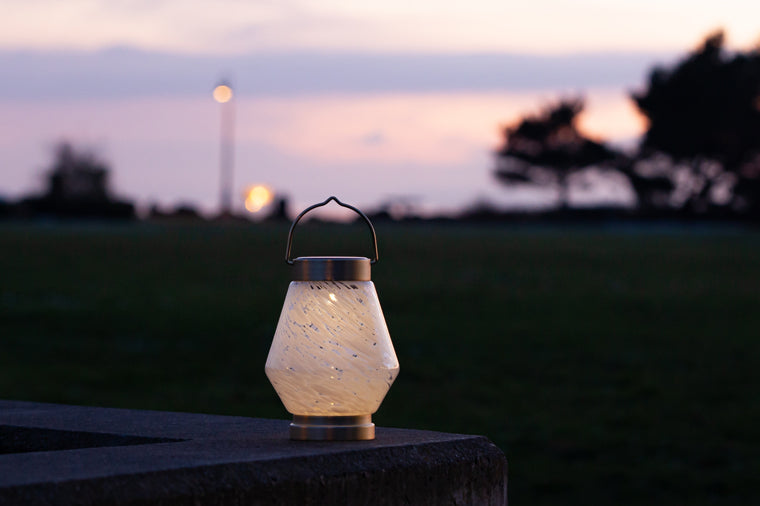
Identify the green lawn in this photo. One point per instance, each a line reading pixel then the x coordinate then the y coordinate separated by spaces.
pixel 611 367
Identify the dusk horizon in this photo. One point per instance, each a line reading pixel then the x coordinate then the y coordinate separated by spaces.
pixel 363 102
pixel 168 86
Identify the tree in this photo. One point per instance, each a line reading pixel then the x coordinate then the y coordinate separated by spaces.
pixel 704 129
pixel 77 175
pixel 547 148
pixel 77 188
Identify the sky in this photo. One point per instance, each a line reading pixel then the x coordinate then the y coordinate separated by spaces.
pixel 373 101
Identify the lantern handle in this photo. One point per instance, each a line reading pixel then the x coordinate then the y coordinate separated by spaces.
pixel 288 257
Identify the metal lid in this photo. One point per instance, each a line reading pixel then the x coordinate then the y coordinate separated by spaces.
pixel 334 268
pixel 331 269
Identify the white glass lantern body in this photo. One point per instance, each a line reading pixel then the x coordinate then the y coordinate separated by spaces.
pixel 331 355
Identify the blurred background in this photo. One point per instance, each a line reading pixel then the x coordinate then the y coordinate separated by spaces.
pixel 383 104
pixel 566 196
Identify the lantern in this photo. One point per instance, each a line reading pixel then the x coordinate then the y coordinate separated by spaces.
pixel 332 360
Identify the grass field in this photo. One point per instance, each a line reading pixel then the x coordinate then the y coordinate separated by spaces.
pixel 612 367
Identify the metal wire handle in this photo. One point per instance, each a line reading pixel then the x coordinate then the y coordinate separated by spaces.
pixel 288 258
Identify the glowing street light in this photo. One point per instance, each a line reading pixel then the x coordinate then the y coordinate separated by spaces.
pixel 224 95
pixel 332 360
pixel 257 197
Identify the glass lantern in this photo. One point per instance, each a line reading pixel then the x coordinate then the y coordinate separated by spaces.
pixel 332 360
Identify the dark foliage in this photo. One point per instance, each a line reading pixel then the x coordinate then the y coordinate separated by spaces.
pixel 703 139
pixel 77 188
pixel 547 148
pixel 700 155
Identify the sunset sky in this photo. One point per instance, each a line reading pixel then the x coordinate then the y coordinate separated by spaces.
pixel 367 100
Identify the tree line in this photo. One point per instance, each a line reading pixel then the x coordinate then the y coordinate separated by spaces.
pixel 700 153
pixel 698 158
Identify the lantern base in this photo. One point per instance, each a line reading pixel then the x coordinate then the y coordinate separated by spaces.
pixel 332 428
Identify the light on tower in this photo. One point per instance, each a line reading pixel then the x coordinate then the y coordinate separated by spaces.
pixel 222 93
pixel 257 197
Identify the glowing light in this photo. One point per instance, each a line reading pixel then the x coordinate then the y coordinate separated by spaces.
pixel 324 345
pixel 222 93
pixel 257 197
pixel 334 392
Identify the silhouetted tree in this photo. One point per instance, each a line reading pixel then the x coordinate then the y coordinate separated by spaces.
pixel 704 130
pixel 77 175
pixel 77 187
pixel 547 148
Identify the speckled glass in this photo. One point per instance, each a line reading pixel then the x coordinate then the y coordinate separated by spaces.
pixel 331 354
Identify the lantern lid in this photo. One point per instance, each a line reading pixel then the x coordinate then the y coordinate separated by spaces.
pixel 331 269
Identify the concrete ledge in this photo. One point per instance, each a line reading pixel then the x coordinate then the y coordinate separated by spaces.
pixel 65 455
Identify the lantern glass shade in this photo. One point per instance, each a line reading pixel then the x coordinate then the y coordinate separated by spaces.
pixel 331 355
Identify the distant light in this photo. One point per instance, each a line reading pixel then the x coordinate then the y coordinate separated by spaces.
pixel 257 197
pixel 222 93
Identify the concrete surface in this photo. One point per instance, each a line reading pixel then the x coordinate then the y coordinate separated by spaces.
pixel 65 455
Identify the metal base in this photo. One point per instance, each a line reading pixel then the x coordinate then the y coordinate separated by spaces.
pixel 332 428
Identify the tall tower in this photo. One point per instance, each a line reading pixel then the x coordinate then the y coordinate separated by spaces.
pixel 224 95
